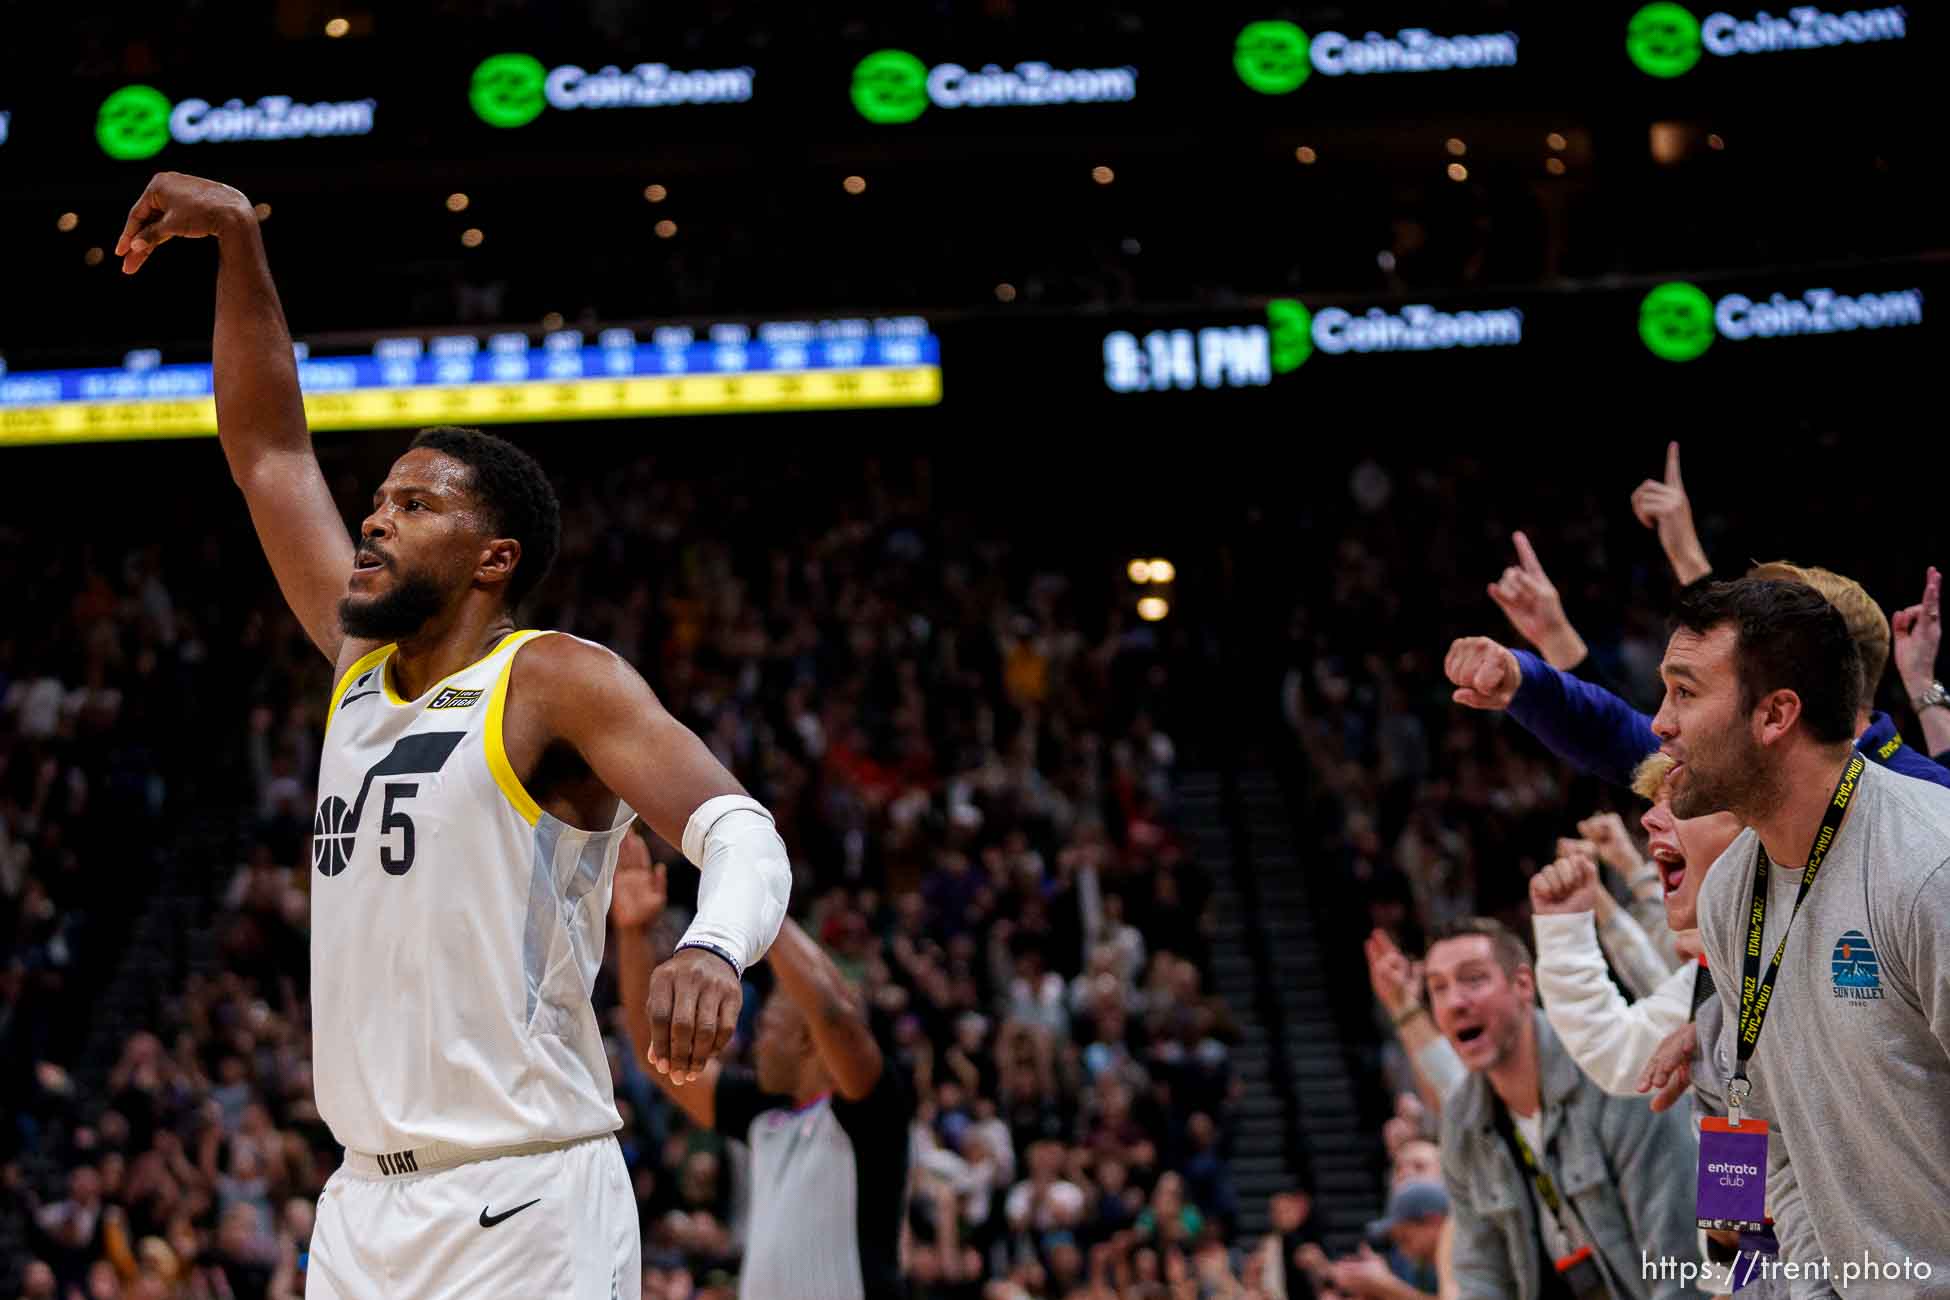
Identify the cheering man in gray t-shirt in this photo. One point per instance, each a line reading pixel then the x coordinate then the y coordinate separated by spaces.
pixel 1853 866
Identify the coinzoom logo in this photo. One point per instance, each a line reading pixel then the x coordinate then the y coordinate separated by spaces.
pixel 1296 333
pixel 1678 322
pixel 893 86
pixel 137 121
pixel 1665 39
pixel 510 90
pixel 1275 57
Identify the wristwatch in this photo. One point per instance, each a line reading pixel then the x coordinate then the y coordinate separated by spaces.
pixel 1933 697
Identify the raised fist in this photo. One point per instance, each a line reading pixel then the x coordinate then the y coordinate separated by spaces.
pixel 1484 673
pixel 1606 831
pixel 1566 886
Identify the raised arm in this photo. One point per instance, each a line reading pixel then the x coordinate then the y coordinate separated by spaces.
pixel 833 1011
pixel 1438 1070
pixel 260 413
pixel 1919 631
pixel 1662 505
pixel 1585 725
pixel 1610 1040
pixel 1529 599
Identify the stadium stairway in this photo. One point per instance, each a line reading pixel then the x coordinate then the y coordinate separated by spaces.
pixel 159 917
pixel 1300 1123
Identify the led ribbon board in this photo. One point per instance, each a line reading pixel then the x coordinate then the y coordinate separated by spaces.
pixel 1276 57
pixel 1252 356
pixel 511 90
pixel 893 86
pixel 1665 39
pixel 1679 322
pixel 140 121
pixel 780 366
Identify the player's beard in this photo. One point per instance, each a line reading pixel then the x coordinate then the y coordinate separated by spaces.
pixel 395 615
pixel 1728 772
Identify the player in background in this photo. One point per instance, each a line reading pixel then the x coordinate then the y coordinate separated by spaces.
pixel 824 1112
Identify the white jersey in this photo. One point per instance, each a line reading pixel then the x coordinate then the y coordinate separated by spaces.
pixel 456 927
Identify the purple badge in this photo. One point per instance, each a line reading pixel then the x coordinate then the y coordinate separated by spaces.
pixel 1733 1174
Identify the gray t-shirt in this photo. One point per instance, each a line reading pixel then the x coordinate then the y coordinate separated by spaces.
pixel 1853 1065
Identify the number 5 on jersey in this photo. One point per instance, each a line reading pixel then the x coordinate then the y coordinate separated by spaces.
pixel 335 828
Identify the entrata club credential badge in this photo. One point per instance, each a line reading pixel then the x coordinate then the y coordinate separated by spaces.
pixel 1732 1174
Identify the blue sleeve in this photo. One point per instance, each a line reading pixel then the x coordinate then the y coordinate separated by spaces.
pixel 1585 725
pixel 1911 762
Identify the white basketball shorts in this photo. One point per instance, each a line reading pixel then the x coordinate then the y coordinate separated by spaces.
pixel 556 1223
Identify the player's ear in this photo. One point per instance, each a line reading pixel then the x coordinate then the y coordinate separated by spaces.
pixel 498 559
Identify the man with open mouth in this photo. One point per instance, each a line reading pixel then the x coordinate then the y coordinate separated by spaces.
pixel 1837 1021
pixel 1557 1188
pixel 1610 1040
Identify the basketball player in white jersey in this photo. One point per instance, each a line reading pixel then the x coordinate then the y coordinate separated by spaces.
pixel 475 783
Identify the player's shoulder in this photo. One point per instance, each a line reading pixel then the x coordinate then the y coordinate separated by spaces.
pixel 564 652
pixel 570 675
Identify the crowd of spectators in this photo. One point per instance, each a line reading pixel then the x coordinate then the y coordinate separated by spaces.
pixel 970 749
pixel 1428 812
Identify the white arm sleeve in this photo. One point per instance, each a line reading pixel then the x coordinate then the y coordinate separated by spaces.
pixel 1650 913
pixel 1440 1067
pixel 1639 965
pixel 1609 1040
pixel 745 878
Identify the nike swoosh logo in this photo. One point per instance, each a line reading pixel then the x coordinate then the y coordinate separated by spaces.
pixel 360 696
pixel 489 1220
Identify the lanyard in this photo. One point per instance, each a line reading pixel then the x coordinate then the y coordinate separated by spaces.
pixel 1546 1189
pixel 1755 994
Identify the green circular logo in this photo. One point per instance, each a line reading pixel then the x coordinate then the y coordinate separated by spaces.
pixel 1663 39
pixel 1271 56
pixel 1291 326
pixel 133 122
pixel 1676 321
pixel 890 86
pixel 507 89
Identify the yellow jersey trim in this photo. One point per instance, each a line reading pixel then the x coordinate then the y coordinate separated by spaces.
pixel 497 752
pixel 359 665
pixel 393 697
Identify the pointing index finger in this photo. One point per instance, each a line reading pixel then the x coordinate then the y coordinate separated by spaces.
pixel 1672 464
pixel 1527 556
